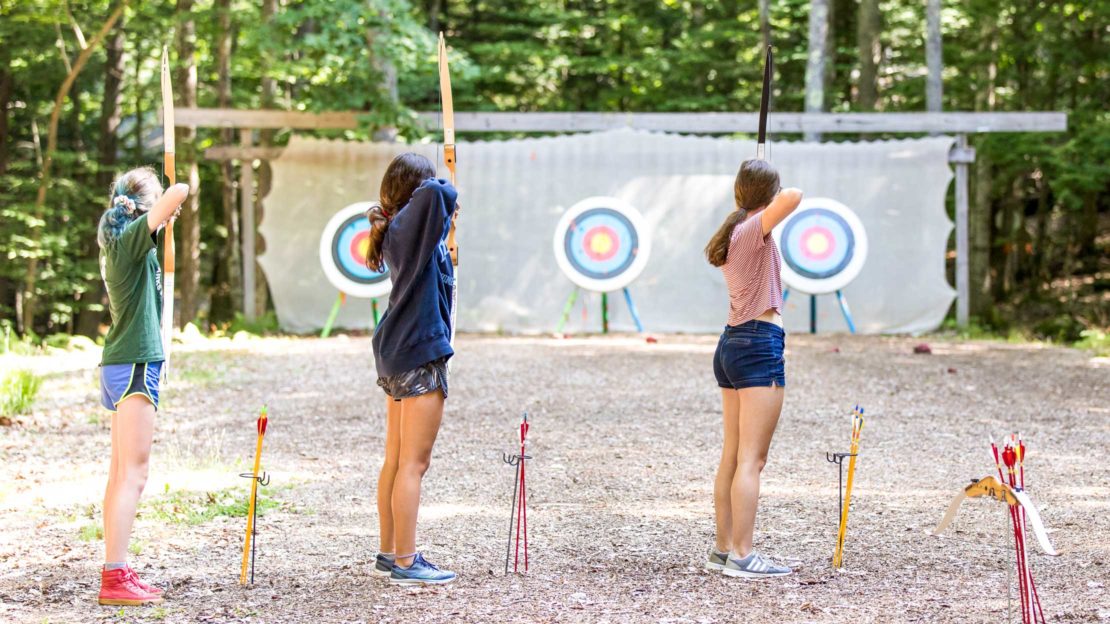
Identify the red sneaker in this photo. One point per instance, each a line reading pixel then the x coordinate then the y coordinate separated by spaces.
pixel 119 587
pixel 138 581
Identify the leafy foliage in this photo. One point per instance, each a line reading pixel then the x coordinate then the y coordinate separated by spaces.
pixel 1047 196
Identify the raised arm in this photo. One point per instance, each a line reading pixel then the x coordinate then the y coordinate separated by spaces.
pixel 781 207
pixel 166 206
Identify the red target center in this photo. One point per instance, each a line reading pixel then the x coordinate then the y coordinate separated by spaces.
pixel 359 245
pixel 818 243
pixel 601 243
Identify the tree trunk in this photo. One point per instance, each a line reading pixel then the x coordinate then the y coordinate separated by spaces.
pixel 868 28
pixel 934 90
pixel 980 219
pixel 140 96
pixel 26 309
pixel 226 287
pixel 815 61
pixel 5 99
pixel 388 74
pixel 188 223
pixel 92 312
pixel 765 23
pixel 265 174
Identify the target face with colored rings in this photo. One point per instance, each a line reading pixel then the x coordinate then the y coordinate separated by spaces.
pixel 343 246
pixel 602 244
pixel 823 246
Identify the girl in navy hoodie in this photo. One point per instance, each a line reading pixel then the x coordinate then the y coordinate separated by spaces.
pixel 412 344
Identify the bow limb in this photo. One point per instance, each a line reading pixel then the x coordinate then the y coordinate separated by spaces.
pixel 448 134
pixel 764 106
pixel 1035 522
pixel 169 169
pixel 950 514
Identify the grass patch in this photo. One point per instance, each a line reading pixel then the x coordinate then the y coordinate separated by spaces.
pixel 92 532
pixel 193 508
pixel 18 390
pixel 1095 340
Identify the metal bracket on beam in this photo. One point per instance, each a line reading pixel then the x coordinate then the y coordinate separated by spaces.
pixel 961 155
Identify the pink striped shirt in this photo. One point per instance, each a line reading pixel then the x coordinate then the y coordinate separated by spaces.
pixel 752 272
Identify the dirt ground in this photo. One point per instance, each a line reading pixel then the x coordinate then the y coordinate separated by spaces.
pixel 625 440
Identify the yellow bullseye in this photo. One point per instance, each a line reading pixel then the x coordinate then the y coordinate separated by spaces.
pixel 601 243
pixel 817 244
pixel 363 248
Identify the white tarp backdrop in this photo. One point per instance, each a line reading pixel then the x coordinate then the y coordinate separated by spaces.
pixel 513 192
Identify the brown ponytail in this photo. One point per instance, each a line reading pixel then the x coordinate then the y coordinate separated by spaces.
pixel 756 185
pixel 403 176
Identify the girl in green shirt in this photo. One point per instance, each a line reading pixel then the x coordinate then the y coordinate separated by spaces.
pixel 131 362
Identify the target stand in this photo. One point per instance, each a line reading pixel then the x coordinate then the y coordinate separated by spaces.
pixel 823 246
pixel 343 245
pixel 601 244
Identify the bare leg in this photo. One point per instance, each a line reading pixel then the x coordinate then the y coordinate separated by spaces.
pixel 389 473
pixel 420 418
pixel 726 471
pixel 132 433
pixel 759 415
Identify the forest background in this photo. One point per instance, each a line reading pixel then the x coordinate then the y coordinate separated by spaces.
pixel 1040 202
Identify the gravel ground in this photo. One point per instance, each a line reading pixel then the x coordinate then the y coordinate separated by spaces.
pixel 625 439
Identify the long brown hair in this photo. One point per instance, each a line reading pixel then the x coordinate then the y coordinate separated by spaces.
pixel 403 176
pixel 756 185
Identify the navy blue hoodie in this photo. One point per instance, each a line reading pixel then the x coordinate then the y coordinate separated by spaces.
pixel 416 328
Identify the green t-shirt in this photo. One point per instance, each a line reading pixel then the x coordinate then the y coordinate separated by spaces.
pixel 131 273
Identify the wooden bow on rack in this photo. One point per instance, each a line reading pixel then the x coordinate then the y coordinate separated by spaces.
pixel 990 487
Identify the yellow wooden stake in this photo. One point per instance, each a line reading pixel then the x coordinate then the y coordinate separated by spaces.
pixel 254 494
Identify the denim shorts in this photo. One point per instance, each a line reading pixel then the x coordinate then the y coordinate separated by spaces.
pixel 750 355
pixel 123 381
pixel 420 380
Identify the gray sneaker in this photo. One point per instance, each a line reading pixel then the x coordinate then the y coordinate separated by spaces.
pixel 420 573
pixel 753 566
pixel 383 565
pixel 717 560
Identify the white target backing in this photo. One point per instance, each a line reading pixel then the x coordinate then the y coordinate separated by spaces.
pixel 343 254
pixel 602 244
pixel 823 246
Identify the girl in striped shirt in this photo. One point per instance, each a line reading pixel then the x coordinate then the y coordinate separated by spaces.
pixel 748 363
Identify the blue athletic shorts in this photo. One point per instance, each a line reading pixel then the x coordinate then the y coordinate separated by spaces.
pixel 750 355
pixel 120 381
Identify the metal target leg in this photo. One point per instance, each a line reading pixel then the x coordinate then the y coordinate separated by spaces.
pixel 324 333
pixel 785 296
pixel 813 314
pixel 632 310
pixel 845 311
pixel 605 313
pixel 566 310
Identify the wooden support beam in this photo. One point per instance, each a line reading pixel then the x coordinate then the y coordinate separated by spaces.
pixel 963 250
pixel 700 123
pixel 246 226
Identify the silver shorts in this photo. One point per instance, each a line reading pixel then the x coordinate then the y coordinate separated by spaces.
pixel 420 380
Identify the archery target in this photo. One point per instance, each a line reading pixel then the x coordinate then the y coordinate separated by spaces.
pixel 823 246
pixel 602 244
pixel 343 254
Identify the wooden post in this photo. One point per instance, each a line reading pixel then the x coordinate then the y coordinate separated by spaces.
pixel 246 229
pixel 963 284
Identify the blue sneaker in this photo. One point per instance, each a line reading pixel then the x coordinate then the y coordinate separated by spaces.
pixel 383 564
pixel 420 573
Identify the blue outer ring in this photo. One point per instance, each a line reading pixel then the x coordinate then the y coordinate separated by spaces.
pixel 341 242
pixel 846 255
pixel 629 243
